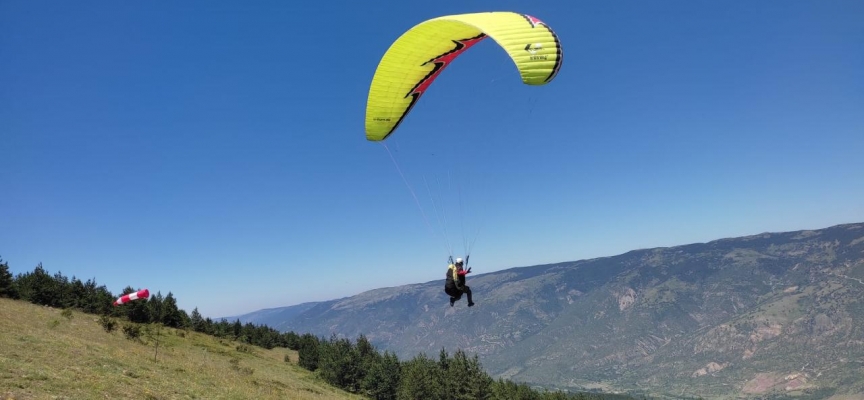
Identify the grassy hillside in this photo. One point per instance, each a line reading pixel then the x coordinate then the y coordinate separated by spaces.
pixel 48 353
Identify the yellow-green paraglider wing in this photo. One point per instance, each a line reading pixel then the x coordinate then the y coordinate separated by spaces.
pixel 414 60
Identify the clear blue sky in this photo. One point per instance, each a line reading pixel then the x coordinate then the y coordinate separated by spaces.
pixel 216 149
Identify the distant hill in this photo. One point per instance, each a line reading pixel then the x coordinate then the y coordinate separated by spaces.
pixel 774 314
pixel 276 318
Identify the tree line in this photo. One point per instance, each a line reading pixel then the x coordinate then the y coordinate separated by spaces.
pixel 59 291
pixel 354 366
pixel 358 367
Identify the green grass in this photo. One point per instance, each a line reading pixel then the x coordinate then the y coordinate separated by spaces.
pixel 48 353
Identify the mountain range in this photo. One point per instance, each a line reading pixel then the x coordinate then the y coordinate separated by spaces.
pixel 773 315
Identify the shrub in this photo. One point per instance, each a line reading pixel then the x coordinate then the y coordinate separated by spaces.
pixel 108 323
pixel 132 331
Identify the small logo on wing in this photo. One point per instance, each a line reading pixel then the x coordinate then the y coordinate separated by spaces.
pixel 533 48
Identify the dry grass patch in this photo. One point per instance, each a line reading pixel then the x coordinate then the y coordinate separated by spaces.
pixel 45 354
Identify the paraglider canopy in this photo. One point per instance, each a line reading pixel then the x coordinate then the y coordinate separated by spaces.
pixel 417 57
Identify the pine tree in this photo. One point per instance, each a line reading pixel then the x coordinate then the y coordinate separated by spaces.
pixel 210 328
pixel 339 364
pixel 465 378
pixel 237 329
pixel 290 340
pixel 97 299
pixel 197 321
pixel 381 381
pixel 444 363
pixel 7 284
pixel 367 357
pixel 155 309
pixel 78 293
pixel 421 379
pixel 509 390
pixel 62 296
pixel 37 287
pixel 479 383
pixel 365 349
pixel 308 352
pixel 171 315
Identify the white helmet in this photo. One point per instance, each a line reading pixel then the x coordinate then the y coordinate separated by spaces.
pixel 459 260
